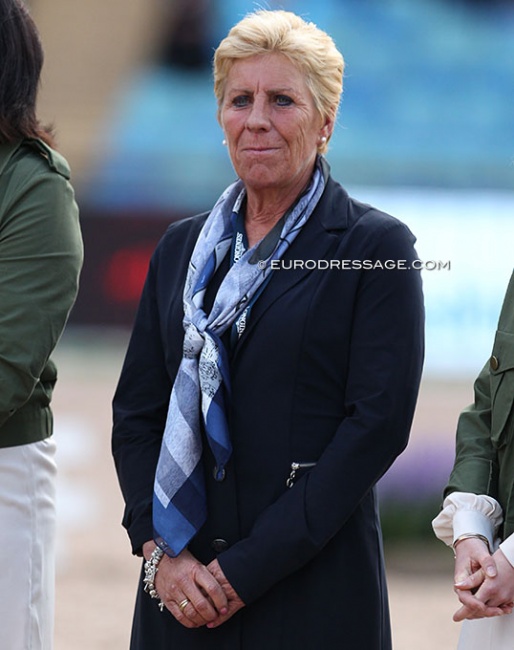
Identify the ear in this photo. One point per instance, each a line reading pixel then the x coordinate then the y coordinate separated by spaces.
pixel 328 127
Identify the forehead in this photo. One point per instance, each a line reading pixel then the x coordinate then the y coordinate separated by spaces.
pixel 266 71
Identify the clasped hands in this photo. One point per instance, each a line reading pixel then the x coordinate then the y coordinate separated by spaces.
pixel 205 596
pixel 484 583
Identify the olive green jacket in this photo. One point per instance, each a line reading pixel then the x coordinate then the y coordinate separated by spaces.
pixel 40 260
pixel 484 461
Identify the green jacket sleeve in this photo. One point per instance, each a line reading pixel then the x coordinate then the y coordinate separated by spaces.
pixel 485 429
pixel 40 259
pixel 476 468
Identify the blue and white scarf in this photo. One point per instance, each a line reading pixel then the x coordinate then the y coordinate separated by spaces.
pixel 202 382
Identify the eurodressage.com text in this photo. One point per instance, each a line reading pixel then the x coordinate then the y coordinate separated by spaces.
pixel 352 265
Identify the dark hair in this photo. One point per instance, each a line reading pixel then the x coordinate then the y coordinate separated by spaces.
pixel 21 60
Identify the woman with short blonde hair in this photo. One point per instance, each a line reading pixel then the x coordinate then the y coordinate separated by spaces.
pixel 266 390
pixel 309 48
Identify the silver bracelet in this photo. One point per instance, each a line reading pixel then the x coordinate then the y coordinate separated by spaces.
pixel 461 538
pixel 151 567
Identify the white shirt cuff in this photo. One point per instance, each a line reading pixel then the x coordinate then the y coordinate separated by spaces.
pixel 466 513
pixel 507 548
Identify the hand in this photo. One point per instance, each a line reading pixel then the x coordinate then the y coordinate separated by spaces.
pixel 184 577
pixel 482 581
pixel 234 602
pixel 472 558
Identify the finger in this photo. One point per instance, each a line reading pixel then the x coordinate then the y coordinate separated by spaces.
pixel 470 577
pixel 472 581
pixel 219 621
pixel 178 609
pixel 197 605
pixel 462 569
pixel 461 614
pixel 490 612
pixel 192 612
pixel 473 608
pixel 232 609
pixel 497 601
pixel 213 591
pixel 201 609
pixel 494 594
pixel 489 566
pixel 473 614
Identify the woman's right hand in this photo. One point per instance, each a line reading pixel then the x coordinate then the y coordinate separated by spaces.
pixel 473 564
pixel 492 596
pixel 182 579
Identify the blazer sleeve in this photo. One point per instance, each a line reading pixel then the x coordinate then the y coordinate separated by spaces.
pixel 140 403
pixel 139 412
pixel 383 379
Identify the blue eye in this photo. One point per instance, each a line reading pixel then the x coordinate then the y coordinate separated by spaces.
pixel 241 101
pixel 283 100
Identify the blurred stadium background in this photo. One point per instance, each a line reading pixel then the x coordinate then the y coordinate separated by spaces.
pixel 425 132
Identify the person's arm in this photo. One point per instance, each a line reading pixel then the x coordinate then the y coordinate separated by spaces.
pixel 476 466
pixel 40 260
pixel 465 513
pixel 140 407
pixel 468 523
pixel 382 385
pixel 476 471
pixel 482 429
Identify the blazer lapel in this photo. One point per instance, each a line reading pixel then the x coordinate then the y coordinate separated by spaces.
pixel 320 234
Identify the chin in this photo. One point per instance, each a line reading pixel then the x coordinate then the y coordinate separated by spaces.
pixel 260 183
pixel 260 176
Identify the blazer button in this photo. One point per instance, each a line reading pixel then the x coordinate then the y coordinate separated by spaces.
pixel 219 545
pixel 494 363
pixel 219 474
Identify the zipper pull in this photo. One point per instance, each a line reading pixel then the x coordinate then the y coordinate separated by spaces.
pixel 294 468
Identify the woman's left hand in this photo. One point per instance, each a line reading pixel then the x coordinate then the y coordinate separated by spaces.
pixel 494 596
pixel 234 602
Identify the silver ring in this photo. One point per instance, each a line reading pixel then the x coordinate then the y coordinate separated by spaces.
pixel 183 604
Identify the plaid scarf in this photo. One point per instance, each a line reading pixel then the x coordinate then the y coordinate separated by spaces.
pixel 202 382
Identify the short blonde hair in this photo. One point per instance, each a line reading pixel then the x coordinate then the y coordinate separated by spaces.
pixel 309 48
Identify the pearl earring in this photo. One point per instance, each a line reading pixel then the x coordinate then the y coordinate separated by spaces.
pixel 323 139
pixel 224 142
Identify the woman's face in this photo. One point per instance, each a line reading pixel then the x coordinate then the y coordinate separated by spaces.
pixel 271 125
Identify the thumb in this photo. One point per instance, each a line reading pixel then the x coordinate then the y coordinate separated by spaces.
pixel 489 566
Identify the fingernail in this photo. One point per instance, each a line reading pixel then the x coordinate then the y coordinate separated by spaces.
pixel 490 572
pixel 223 611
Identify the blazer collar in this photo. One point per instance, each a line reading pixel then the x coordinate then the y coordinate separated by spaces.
pixel 332 209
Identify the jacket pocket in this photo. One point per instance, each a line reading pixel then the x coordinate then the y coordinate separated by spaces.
pixel 501 366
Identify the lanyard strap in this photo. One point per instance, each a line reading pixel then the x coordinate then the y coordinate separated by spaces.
pixel 238 249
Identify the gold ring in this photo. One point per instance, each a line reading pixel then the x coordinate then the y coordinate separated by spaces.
pixel 183 604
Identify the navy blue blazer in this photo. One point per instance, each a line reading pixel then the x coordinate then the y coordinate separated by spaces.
pixel 326 374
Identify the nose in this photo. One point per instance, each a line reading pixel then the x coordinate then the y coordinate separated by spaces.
pixel 258 117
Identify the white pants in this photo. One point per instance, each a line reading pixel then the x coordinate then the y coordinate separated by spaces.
pixel 495 633
pixel 27 546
